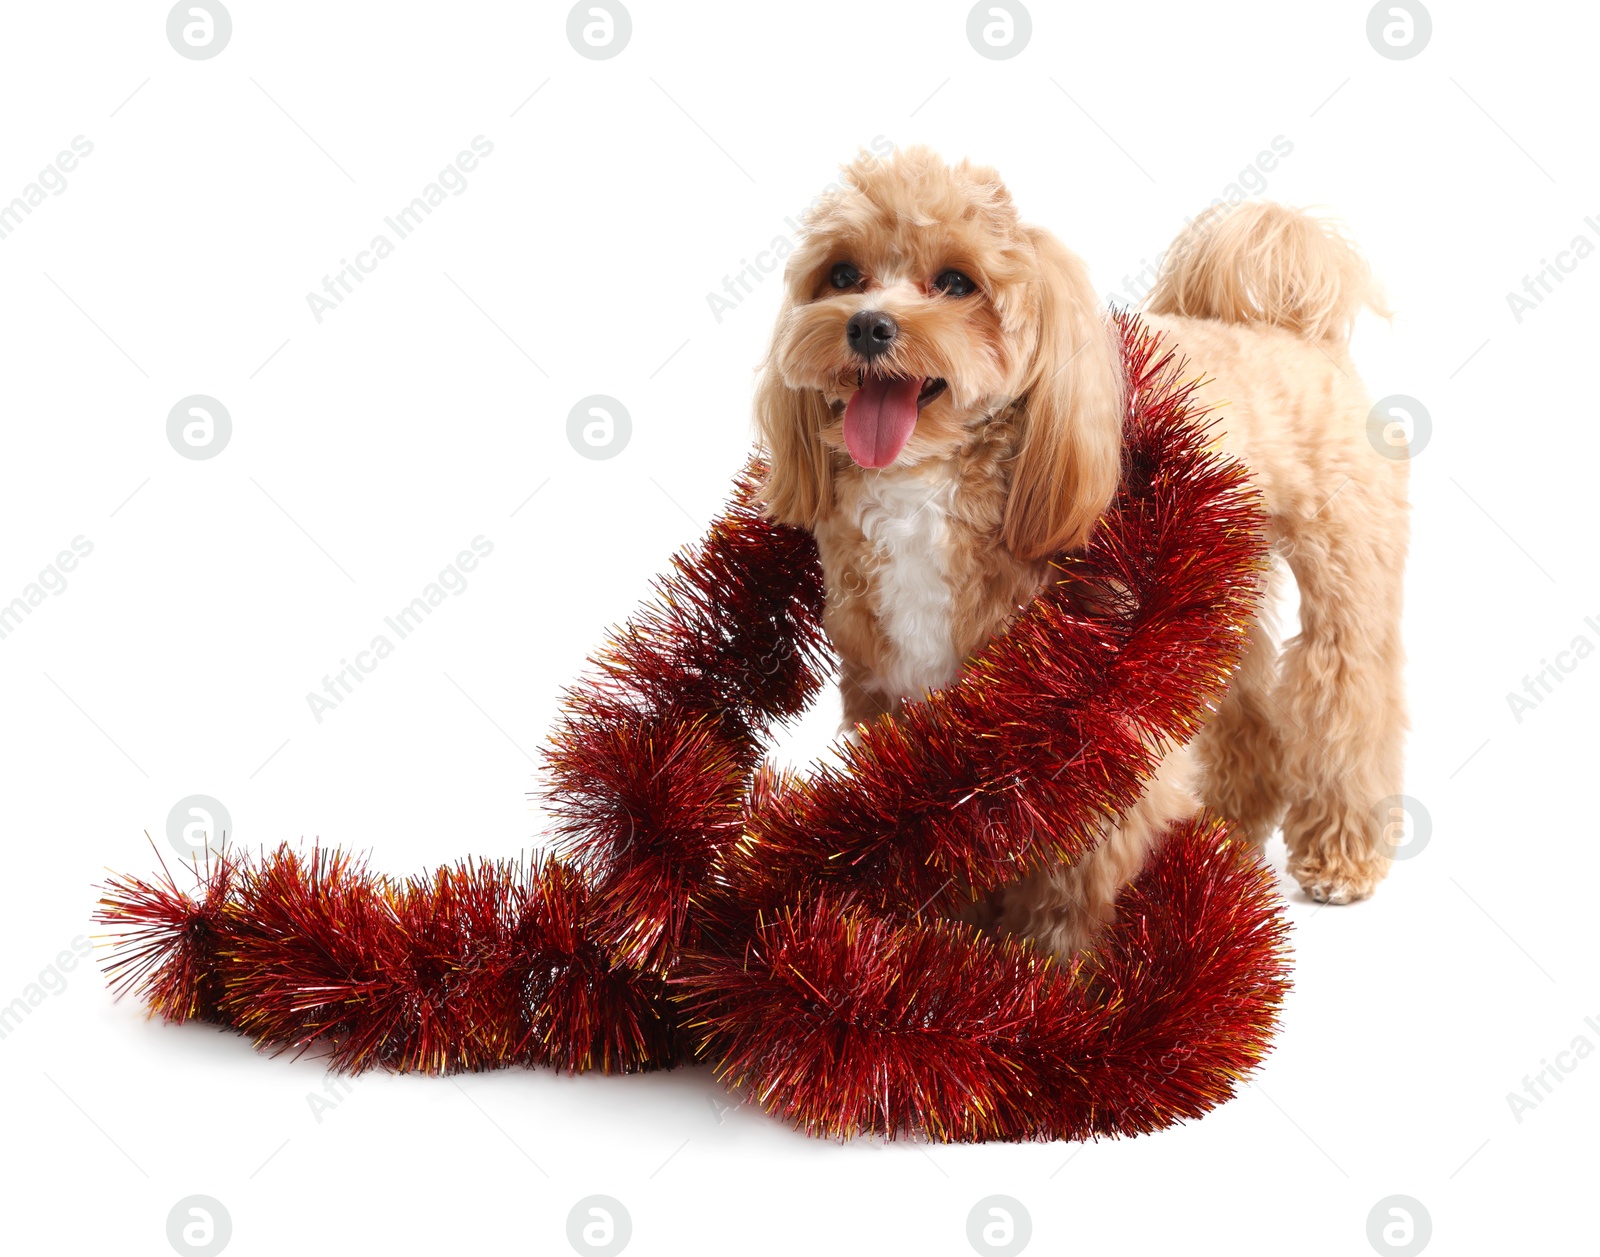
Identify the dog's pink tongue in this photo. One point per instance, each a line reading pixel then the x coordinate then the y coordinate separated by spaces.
pixel 879 419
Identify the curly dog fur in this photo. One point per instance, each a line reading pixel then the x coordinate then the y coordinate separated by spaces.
pixel 941 408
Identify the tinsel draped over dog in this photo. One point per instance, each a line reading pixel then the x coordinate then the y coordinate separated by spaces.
pixel 797 932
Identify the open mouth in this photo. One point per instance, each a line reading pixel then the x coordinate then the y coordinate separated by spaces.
pixel 882 413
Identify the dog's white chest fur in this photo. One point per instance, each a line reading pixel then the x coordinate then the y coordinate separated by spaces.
pixel 904 516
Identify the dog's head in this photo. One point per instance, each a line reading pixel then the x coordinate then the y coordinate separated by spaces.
pixel 918 308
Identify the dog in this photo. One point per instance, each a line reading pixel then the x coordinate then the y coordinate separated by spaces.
pixel 941 408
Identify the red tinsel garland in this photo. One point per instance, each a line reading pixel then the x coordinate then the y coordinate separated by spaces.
pixel 789 929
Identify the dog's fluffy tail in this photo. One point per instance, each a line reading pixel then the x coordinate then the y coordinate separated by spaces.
pixel 1264 263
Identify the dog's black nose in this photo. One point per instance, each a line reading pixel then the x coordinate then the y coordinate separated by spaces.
pixel 871 332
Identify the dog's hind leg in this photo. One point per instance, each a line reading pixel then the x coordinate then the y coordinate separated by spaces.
pixel 1340 690
pixel 1240 749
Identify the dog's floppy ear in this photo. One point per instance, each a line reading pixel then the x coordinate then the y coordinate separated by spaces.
pixel 1070 460
pixel 799 479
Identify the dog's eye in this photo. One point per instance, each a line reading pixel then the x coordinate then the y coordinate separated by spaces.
pixel 844 276
pixel 954 284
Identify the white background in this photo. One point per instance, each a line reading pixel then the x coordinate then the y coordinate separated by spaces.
pixel 369 449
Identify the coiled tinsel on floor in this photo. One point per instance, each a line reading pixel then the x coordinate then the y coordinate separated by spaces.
pixel 795 931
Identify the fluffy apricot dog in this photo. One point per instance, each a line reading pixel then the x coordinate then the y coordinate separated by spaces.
pixel 941 408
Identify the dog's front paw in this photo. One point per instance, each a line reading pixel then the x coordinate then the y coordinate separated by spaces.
pixel 1337 879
